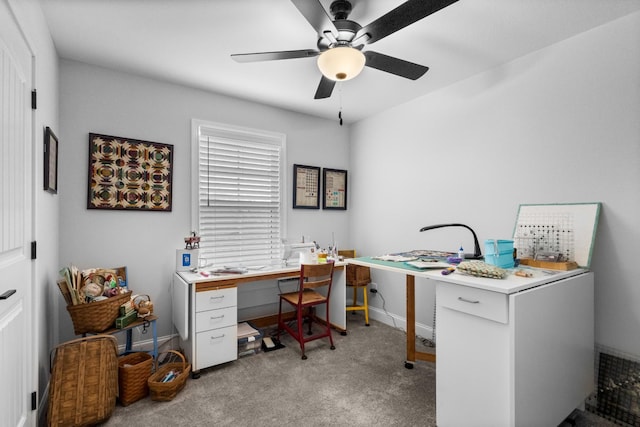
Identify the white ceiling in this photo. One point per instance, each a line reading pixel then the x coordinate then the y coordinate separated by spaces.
pixel 189 42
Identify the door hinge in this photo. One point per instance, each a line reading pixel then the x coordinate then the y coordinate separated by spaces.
pixel 34 100
pixel 33 250
pixel 34 400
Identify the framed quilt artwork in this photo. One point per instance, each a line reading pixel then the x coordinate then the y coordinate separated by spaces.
pixel 128 174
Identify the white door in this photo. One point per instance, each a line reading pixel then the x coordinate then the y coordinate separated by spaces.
pixel 16 222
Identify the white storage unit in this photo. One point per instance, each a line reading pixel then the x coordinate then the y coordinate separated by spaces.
pixel 216 323
pixel 207 322
pixel 513 357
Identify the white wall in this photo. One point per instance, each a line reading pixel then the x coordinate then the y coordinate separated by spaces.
pixel 103 101
pixel 558 125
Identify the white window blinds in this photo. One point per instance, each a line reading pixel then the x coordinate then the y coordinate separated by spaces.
pixel 240 203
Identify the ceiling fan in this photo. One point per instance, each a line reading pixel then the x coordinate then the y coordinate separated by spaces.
pixel 340 41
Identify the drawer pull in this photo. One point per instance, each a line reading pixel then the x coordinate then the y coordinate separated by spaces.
pixel 218 297
pixel 218 337
pixel 216 317
pixel 468 300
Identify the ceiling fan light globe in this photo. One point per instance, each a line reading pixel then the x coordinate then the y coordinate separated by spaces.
pixel 341 63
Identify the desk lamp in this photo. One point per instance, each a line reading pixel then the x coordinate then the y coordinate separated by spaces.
pixel 477 254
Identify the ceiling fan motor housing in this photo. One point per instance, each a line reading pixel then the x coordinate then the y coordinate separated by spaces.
pixel 340 9
pixel 346 32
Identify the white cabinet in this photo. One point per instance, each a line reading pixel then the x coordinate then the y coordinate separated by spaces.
pixel 207 322
pixel 513 359
pixel 215 325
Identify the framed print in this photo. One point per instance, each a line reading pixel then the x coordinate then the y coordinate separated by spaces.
pixel 50 161
pixel 306 187
pixel 334 183
pixel 128 174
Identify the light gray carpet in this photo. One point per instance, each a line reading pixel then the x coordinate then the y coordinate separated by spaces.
pixel 363 382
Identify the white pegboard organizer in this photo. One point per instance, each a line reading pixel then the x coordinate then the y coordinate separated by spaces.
pixel 569 229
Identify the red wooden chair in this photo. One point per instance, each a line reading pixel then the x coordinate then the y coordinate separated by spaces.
pixel 312 277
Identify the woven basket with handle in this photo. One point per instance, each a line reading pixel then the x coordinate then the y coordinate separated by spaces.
pixel 84 381
pixel 97 316
pixel 165 391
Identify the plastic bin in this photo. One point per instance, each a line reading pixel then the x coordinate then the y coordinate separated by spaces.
pixel 499 253
pixel 251 344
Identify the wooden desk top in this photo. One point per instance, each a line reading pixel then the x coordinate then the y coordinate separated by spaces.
pixel 219 281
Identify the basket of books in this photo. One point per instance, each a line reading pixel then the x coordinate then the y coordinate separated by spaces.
pixel 93 297
pixel 169 379
pixel 96 316
pixel 134 369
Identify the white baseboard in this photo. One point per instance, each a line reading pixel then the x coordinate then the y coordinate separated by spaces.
pixel 170 341
pixel 399 322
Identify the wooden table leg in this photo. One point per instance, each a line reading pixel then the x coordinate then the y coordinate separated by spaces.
pixel 411 321
pixel 412 354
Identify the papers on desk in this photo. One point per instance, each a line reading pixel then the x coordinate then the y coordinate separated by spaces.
pixel 230 270
pixel 428 264
pixel 395 258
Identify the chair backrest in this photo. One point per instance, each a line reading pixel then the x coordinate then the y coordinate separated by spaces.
pixel 314 276
pixel 347 253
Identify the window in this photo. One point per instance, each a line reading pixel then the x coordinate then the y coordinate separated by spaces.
pixel 238 184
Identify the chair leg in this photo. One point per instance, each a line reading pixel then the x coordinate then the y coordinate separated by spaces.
pixel 310 319
pixel 279 328
pixel 300 336
pixel 333 347
pixel 366 306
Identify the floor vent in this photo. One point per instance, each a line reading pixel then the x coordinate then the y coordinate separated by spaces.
pixel 617 395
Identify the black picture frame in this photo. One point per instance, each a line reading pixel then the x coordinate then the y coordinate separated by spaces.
pixel 50 161
pixel 306 187
pixel 334 184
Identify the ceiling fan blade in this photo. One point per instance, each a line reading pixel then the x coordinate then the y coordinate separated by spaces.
pixel 402 16
pixel 396 66
pixel 271 56
pixel 325 88
pixel 317 16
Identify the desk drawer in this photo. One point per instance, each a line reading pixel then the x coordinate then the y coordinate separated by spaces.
pixel 477 302
pixel 221 298
pixel 216 346
pixel 212 319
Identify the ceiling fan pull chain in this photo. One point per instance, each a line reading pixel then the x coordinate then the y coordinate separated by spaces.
pixel 340 100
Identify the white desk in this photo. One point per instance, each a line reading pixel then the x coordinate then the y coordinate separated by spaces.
pixel 205 310
pixel 511 352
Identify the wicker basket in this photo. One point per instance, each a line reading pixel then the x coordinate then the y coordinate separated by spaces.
pixel 134 370
pixel 84 381
pixel 96 316
pixel 165 391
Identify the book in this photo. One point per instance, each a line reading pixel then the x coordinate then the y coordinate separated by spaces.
pixel 428 264
pixel 394 258
pixel 246 331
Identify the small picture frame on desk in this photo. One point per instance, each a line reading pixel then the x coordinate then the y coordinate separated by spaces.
pixel 306 187
pixel 50 161
pixel 334 183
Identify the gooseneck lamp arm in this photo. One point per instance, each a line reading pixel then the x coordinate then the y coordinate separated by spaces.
pixel 477 254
